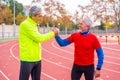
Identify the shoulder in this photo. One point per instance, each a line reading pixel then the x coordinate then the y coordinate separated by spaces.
pixel 93 35
pixel 23 22
pixel 73 36
pixel 75 33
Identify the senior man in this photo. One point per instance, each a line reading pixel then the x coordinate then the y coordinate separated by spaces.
pixel 85 43
pixel 29 45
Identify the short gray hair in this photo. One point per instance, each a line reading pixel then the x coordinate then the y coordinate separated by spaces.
pixel 87 21
pixel 34 10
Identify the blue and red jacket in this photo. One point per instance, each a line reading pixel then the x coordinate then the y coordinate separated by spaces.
pixel 85 43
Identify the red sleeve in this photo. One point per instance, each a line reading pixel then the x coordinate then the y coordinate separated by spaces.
pixel 97 43
pixel 70 38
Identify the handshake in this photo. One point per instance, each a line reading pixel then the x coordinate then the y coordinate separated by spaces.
pixel 55 30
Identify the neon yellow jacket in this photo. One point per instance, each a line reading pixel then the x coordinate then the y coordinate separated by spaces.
pixel 30 39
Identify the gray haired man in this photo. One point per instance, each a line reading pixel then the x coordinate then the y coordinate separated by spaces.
pixel 29 45
pixel 85 43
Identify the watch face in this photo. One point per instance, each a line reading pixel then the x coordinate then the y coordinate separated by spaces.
pixel 98 69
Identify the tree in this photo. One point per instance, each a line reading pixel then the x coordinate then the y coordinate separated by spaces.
pixel 18 7
pixel 7 11
pixel 102 10
pixel 101 26
pixel 19 18
pixel 56 11
pixel 1 19
pixel 7 15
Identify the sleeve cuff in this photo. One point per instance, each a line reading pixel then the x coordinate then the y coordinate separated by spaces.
pixel 52 33
pixel 98 68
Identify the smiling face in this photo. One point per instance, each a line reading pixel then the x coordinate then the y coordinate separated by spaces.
pixel 82 26
pixel 36 14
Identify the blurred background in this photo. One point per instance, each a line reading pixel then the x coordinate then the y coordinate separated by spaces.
pixel 64 14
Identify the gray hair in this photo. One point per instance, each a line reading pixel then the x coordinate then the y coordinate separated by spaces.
pixel 34 10
pixel 87 21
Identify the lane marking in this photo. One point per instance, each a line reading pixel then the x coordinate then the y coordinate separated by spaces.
pixel 5 43
pixel 57 64
pixel 70 69
pixel 57 54
pixel 111 49
pixel 112 70
pixel 105 61
pixel 60 48
pixel 4 75
pixel 11 52
pixel 106 48
pixel 72 59
pixel 95 58
pixel 49 76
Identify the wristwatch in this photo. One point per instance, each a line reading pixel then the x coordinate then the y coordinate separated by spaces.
pixel 98 68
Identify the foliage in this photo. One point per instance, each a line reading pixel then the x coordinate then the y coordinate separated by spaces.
pixel 102 10
pixel 20 18
pixel 56 13
pixel 7 16
pixel 18 7
pixel 101 26
pixel 6 12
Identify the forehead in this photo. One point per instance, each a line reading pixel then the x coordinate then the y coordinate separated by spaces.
pixel 40 13
pixel 83 22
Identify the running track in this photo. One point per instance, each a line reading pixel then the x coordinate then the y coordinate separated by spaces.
pixel 56 61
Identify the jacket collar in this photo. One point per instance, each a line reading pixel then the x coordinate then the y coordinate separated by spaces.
pixel 85 32
pixel 32 21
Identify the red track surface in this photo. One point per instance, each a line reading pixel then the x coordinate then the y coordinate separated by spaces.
pixel 56 61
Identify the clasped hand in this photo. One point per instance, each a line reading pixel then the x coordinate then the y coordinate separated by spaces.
pixel 55 30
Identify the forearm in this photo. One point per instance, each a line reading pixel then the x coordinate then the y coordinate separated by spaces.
pixel 46 37
pixel 62 42
pixel 100 55
pixel 41 37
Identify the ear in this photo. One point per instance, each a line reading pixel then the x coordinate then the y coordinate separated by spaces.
pixel 33 16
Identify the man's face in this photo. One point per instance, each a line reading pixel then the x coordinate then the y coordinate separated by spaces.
pixel 83 26
pixel 37 18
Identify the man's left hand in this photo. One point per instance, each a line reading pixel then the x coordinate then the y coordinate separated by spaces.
pixel 97 73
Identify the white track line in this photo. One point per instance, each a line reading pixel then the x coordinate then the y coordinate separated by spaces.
pixel 105 48
pixel 57 64
pixel 104 61
pixel 49 76
pixel 109 49
pixel 4 75
pixel 96 59
pixel 57 54
pixel 53 44
pixel 71 59
pixel 112 49
pixel 11 52
pixel 4 44
pixel 0 70
pixel 69 68
pixel 111 70
pixel 60 48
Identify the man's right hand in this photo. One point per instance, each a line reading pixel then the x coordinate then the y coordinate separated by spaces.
pixel 55 30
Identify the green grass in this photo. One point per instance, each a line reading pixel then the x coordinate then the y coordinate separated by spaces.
pixel 7 39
